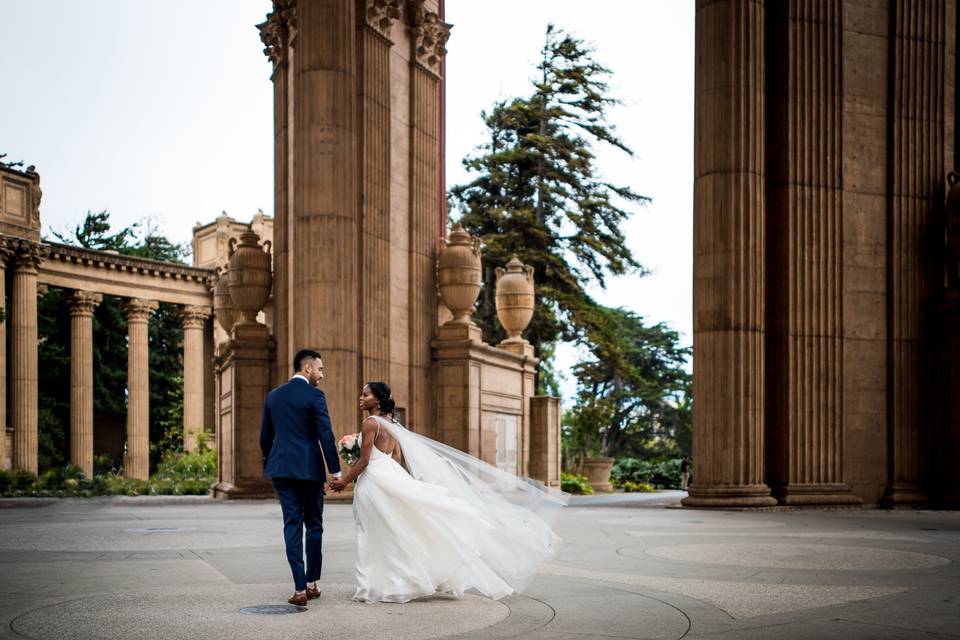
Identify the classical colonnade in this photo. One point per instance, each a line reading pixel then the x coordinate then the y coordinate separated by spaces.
pixel 36 265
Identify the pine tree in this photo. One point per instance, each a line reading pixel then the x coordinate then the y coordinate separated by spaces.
pixel 536 194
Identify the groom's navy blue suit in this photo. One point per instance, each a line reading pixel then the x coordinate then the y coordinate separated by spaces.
pixel 294 429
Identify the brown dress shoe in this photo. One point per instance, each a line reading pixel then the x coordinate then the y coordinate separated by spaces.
pixel 312 592
pixel 299 599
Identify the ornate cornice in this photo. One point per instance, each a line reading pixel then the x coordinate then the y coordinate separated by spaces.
pixel 428 35
pixel 194 317
pixel 139 310
pixel 277 30
pixel 82 303
pixel 379 15
pixel 27 255
pixel 102 259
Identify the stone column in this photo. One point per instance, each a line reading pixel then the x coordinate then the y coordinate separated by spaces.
pixel 82 304
pixel 137 464
pixel 325 230
pixel 6 251
pixel 375 19
pixel 279 35
pixel 194 323
pixel 917 148
pixel 428 35
pixel 545 449
pixel 728 263
pixel 804 426
pixel 23 355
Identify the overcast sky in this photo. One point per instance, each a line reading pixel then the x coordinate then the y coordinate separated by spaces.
pixel 163 109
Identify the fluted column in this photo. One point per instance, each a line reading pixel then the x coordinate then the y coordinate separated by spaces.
pixel 279 35
pixel 23 355
pixel 6 252
pixel 194 323
pixel 917 146
pixel 728 263
pixel 137 464
pixel 375 19
pixel 325 198
pixel 82 305
pixel 428 35
pixel 804 426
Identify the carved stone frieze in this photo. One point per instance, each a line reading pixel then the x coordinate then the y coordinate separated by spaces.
pixel 277 30
pixel 82 303
pixel 428 36
pixel 379 15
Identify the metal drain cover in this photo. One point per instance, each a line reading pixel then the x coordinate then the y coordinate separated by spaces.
pixel 272 609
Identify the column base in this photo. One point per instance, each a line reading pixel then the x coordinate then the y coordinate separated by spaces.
pixel 729 495
pixel 246 490
pixel 816 494
pixel 904 496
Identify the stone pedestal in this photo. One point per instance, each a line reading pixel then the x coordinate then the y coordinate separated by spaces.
pixel 544 460
pixel 137 462
pixel 23 355
pixel 194 322
pixel 82 305
pixel 243 382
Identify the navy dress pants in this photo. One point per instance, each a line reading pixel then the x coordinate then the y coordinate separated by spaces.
pixel 302 505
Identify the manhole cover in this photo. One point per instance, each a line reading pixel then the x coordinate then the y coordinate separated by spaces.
pixel 159 529
pixel 272 609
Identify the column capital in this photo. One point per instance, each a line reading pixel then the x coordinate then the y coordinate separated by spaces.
pixel 27 255
pixel 378 15
pixel 82 303
pixel 6 251
pixel 428 35
pixel 139 310
pixel 276 30
pixel 194 317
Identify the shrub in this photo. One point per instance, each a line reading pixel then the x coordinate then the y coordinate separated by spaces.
pixel 636 487
pixel 662 474
pixel 572 483
pixel 6 481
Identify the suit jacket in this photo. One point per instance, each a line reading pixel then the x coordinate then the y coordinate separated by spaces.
pixel 294 428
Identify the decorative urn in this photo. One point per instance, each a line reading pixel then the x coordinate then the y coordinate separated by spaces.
pixel 249 275
pixel 515 298
pixel 223 308
pixel 458 274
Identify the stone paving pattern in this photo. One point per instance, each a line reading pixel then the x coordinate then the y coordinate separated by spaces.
pixel 630 568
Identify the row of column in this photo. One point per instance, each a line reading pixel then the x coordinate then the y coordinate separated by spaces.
pixel 22 321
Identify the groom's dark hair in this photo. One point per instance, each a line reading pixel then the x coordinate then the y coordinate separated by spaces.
pixel 304 354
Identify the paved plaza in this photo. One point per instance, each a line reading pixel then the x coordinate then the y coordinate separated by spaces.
pixel 144 569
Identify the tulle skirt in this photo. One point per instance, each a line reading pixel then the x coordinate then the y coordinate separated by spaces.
pixel 417 539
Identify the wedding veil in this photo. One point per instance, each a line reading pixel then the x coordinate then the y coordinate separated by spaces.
pixel 520 512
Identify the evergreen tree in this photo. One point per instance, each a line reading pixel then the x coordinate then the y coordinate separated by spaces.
pixel 537 195
pixel 634 400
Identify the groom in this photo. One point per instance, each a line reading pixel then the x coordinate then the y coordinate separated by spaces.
pixel 294 428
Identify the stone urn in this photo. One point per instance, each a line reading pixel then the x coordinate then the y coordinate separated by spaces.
pixel 224 310
pixel 249 275
pixel 597 471
pixel 458 274
pixel 515 298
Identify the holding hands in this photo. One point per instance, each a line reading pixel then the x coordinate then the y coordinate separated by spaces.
pixel 337 484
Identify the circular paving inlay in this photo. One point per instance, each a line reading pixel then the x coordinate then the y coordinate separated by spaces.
pixel 213 611
pixel 794 556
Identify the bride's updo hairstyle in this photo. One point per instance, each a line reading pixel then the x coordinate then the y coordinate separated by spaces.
pixel 381 391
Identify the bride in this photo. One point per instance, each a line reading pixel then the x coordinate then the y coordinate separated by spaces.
pixel 452 523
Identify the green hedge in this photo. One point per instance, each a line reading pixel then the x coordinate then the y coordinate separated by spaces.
pixel 178 474
pixel 661 474
pixel 572 483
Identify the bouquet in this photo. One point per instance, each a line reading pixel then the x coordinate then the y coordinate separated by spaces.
pixel 349 448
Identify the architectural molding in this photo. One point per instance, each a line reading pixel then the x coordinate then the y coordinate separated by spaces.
pixel 194 317
pixel 27 255
pixel 277 30
pixel 378 15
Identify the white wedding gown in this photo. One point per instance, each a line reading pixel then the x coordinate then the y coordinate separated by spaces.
pixel 416 538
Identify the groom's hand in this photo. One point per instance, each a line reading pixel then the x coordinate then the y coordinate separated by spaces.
pixel 337 485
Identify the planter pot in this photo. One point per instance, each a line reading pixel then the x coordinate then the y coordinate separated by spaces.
pixel 597 471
